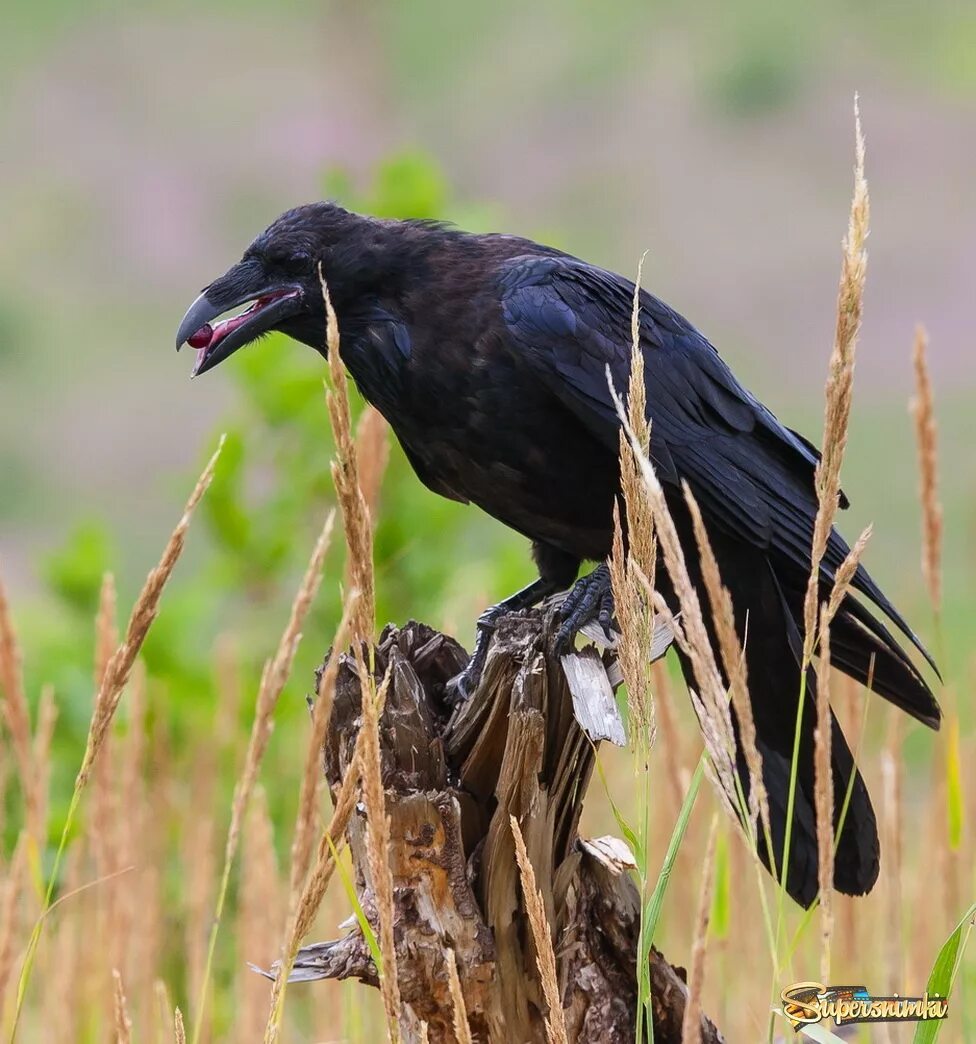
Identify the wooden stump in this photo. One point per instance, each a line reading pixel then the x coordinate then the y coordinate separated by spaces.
pixel 452 780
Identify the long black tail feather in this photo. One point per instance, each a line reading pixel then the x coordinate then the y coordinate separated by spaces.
pixel 769 615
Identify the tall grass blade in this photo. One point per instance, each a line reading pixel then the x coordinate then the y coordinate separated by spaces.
pixel 943 974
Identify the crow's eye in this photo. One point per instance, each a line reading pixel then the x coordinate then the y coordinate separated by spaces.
pixel 298 263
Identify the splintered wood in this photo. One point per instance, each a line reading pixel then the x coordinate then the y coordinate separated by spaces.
pixel 453 778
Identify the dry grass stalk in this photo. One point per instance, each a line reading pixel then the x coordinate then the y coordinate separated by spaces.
pixel 462 1031
pixel 712 711
pixel 179 1032
pixel 69 978
pixel 372 455
pixel 824 796
pixel 345 475
pixel 635 617
pixel 690 633
pixel 671 744
pixel 106 641
pixel 733 659
pixel 307 818
pixel 258 917
pixel 16 713
pixel 164 1012
pixel 123 1024
pixel 691 1024
pixel 10 891
pixel 845 574
pixel 923 413
pixel 542 937
pixel 273 679
pixel 120 663
pixel 424 1031
pixel 378 848
pixel 230 691
pixel 840 382
pixel 103 811
pixel 891 775
pixel 315 886
pixel 635 620
pixel 47 719
pixel 199 859
pixel 116 675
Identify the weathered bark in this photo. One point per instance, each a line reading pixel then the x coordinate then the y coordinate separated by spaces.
pixel 452 780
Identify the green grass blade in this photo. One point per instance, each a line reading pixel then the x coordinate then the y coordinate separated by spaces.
pixel 943 973
pixel 721 903
pixel 656 902
pixel 954 809
pixel 364 926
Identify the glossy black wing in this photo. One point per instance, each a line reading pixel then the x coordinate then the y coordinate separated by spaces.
pixel 751 475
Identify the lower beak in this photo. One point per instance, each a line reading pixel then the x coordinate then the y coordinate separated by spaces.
pixel 269 305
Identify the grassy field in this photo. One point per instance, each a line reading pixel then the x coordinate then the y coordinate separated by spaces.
pixel 719 140
pixel 172 818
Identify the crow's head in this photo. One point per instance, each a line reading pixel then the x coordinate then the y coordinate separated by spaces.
pixel 278 281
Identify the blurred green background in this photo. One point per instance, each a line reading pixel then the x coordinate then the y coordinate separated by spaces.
pixel 143 145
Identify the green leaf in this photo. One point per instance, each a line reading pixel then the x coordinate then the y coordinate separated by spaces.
pixel 75 571
pixel 943 973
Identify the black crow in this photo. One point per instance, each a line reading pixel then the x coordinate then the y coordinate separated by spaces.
pixel 488 356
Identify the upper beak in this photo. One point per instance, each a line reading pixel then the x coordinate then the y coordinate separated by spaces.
pixel 197 315
pixel 245 282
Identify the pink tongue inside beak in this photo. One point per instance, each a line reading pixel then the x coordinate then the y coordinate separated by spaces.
pixel 202 337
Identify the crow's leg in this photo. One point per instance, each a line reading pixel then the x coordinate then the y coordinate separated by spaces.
pixel 461 687
pixel 590 599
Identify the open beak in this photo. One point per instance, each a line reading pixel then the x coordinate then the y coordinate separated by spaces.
pixel 244 284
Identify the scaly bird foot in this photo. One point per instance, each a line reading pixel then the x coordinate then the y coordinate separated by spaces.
pixel 591 598
pixel 461 687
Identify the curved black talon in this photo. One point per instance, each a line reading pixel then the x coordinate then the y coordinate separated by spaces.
pixel 463 685
pixel 591 598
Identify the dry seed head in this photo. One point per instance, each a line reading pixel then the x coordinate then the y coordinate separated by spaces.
pixel 542 937
pixel 123 1024
pixel 372 455
pixel 120 663
pixel 840 382
pixel 734 662
pixel 378 843
pixel 923 413
pixel 635 620
pixel 16 713
pixel 307 819
pixel 315 885
pixel 10 890
pixel 258 917
pixel 462 1031
pixel 824 794
pixel 345 475
pixel 691 1024
pixel 273 679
